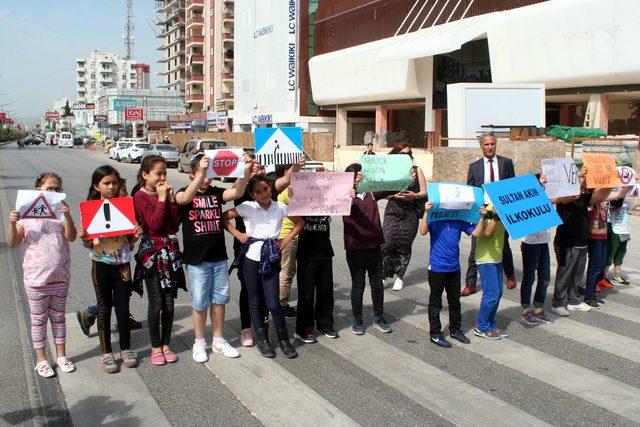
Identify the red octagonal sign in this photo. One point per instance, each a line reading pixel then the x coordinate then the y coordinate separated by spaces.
pixel 225 162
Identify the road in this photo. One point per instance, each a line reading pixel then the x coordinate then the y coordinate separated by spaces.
pixel 577 371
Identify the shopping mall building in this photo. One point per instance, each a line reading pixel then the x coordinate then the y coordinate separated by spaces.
pixel 384 66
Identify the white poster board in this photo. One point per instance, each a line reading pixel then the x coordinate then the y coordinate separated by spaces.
pixel 36 204
pixel 562 177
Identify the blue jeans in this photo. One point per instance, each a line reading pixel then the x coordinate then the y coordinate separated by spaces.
pixel 535 258
pixel 595 269
pixel 209 284
pixel 491 275
pixel 93 310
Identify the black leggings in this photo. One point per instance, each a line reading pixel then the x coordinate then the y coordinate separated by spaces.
pixel 263 290
pixel 112 284
pixel 161 309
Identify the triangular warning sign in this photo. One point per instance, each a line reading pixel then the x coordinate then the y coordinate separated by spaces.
pixel 278 142
pixel 39 209
pixel 109 221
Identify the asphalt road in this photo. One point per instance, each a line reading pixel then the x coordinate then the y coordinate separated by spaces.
pixel 581 370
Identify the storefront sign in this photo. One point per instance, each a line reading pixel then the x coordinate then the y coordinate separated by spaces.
pixel 121 104
pixel 100 118
pixel 262 119
pixel 134 114
pixel 178 126
pixel 78 106
pixel 292 49
pixel 90 106
pixel 52 114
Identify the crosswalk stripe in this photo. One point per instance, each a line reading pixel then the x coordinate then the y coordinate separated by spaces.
pixel 432 388
pixel 603 391
pixel 94 397
pixel 621 311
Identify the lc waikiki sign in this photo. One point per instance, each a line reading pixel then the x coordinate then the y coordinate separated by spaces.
pixel 292 52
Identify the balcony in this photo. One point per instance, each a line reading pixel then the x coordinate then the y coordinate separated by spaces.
pixel 81 89
pixel 81 79
pixel 194 97
pixel 228 55
pixel 227 17
pixel 105 79
pixel 105 60
pixel 227 95
pixel 227 37
pixel 194 3
pixel 80 69
pixel 195 40
pixel 227 77
pixel 195 20
pixel 194 79
pixel 197 59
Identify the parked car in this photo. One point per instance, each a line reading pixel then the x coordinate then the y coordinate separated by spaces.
pixel 115 147
pixel 312 165
pixel 132 151
pixel 170 153
pixel 193 147
pixel 65 140
pixel 51 138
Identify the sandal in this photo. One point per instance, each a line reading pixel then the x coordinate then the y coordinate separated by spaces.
pixel 44 369
pixel 65 364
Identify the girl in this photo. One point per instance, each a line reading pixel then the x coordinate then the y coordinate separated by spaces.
pixel 111 276
pixel 46 274
pixel 260 257
pixel 159 260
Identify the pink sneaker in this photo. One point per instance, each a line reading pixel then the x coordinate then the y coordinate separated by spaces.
pixel 157 358
pixel 170 356
pixel 246 337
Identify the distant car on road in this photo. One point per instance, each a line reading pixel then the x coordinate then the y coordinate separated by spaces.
pixel 51 138
pixel 170 153
pixel 132 152
pixel 65 140
pixel 115 147
pixel 193 147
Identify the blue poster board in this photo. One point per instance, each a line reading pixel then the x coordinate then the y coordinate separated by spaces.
pixel 454 201
pixel 523 206
pixel 278 146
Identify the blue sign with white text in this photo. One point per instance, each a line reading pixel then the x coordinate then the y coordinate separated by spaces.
pixel 523 206
pixel 121 104
pixel 278 146
pixel 453 201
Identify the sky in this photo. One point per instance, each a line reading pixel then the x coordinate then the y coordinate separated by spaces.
pixel 40 40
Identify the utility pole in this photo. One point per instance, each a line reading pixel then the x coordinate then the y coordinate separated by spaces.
pixel 129 25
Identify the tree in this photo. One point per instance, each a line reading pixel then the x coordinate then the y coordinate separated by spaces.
pixel 67 110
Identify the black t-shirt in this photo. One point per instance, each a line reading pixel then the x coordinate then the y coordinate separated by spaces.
pixel 574 230
pixel 314 241
pixel 202 228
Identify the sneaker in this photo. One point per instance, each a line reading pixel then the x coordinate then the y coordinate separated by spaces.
pixel 619 280
pixel 560 311
pixel 170 356
pixel 246 337
pixel 199 353
pixel 490 335
pixel 398 284
pixel 134 324
pixel 542 316
pixel 357 327
pixel 503 334
pixel 605 283
pixel 529 318
pixel 223 346
pixel 65 364
pixel 382 325
pixel 86 321
pixel 157 358
pixel 440 341
pixel 108 363
pixel 306 336
pixel 459 336
pixel 578 307
pixel 592 303
pixel 129 358
pixel 289 312
pixel 599 301
pixel 329 333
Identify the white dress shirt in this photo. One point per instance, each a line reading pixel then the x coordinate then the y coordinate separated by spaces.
pixel 261 224
pixel 487 171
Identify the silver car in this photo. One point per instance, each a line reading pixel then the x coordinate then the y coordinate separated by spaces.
pixel 170 153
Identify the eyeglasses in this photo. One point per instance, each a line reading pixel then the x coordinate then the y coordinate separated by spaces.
pixel 53 189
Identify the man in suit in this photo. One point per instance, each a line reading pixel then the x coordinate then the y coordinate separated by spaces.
pixel 489 168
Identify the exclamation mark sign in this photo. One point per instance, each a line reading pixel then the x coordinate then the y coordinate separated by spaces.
pixel 107 214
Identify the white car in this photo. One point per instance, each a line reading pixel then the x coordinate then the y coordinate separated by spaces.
pixel 65 140
pixel 132 151
pixel 114 149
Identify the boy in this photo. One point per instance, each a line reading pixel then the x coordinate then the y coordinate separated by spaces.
pixel 363 239
pixel 444 274
pixel 205 254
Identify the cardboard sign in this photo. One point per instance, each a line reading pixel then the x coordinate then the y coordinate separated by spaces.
pixel 601 170
pixel 227 162
pixel 278 146
pixel 627 175
pixel 320 194
pixel 385 173
pixel 562 177
pixel 108 217
pixel 454 201
pixel 36 204
pixel 523 206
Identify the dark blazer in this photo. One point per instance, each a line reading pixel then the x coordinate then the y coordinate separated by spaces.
pixel 475 176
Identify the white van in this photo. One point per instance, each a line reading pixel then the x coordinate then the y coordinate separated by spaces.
pixel 51 138
pixel 65 140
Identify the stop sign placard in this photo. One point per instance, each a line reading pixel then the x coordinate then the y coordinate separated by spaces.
pixel 227 162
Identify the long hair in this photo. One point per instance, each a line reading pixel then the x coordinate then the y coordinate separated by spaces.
pixel 97 176
pixel 146 166
pixel 45 175
pixel 399 147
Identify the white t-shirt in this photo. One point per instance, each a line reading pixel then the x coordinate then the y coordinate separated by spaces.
pixel 620 218
pixel 541 237
pixel 261 224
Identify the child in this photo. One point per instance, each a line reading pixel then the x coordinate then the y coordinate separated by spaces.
pixel 205 254
pixel 315 280
pixel 159 260
pixel 111 274
pixel 260 259
pixel 288 262
pixel 444 274
pixel 46 274
pixel 490 235
pixel 620 235
pixel 363 239
pixel 88 317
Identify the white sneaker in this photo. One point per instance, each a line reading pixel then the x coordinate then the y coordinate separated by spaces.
pixel 200 353
pixel 578 307
pixel 225 348
pixel 560 311
pixel 398 284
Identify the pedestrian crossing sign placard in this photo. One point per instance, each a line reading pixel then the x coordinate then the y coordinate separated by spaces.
pixel 278 146
pixel 34 204
pixel 108 217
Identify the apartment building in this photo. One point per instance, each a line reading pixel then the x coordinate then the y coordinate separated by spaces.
pixel 172 34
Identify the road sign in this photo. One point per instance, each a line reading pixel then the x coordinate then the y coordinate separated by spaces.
pixel 278 146
pixel 52 115
pixel 121 104
pixel 108 217
pixel 39 204
pixel 627 175
pixel 79 106
pixel 134 114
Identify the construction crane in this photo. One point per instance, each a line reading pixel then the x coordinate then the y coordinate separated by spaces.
pixel 129 25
